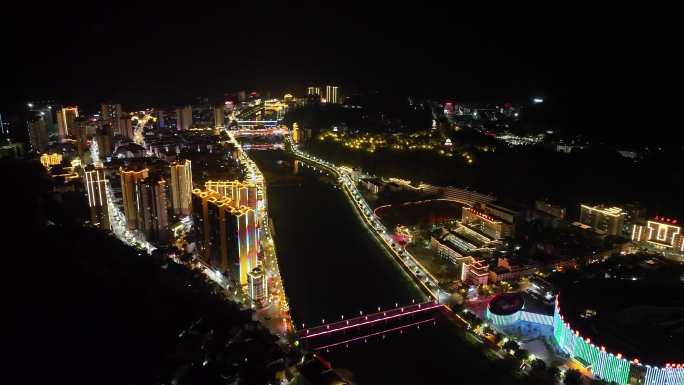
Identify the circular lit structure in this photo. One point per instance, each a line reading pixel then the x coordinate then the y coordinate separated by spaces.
pixel 505 309
pixel 607 365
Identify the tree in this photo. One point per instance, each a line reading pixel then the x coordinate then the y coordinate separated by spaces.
pixel 511 345
pixel 522 354
pixel 553 372
pixel 572 377
pixel 538 365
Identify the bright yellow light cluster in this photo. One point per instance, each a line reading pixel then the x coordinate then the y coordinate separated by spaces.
pixel 48 160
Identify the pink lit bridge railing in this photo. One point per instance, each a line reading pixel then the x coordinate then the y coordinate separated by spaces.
pixel 326 329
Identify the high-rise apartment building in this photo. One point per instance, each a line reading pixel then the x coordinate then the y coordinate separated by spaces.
pixel 605 220
pixel 125 126
pixel 331 94
pixel 38 132
pixel 44 109
pixel 311 90
pixel 130 179
pixel 65 121
pixel 181 187
pixel 105 136
pixel 145 204
pixel 184 118
pixel 227 234
pixel 219 115
pixel 110 111
pixel 96 188
pixel 257 286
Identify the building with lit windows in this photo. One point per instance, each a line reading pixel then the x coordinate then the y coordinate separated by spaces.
pixel 519 311
pixel 312 90
pixel 44 110
pixel 661 233
pixel 331 94
pixel 110 111
pixel 65 121
pixel 104 135
pixel 145 204
pixel 257 286
pixel 227 235
pixel 485 223
pixel 607 365
pixel 604 220
pixel 125 127
pixel 181 187
pixel 219 115
pixel 96 188
pixel 184 118
pixel 130 180
pixel 38 133
pixel 48 160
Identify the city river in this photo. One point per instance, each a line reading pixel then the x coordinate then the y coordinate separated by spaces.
pixel 332 266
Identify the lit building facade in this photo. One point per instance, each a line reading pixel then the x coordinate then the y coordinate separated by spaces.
pixel 110 111
pixel 331 94
pixel 219 115
pixel 227 233
pixel 145 204
pixel 184 118
pixel 487 224
pixel 65 121
pixel 661 233
pixel 312 90
pixel 96 188
pixel 257 286
pixel 607 365
pixel 181 187
pixel 130 180
pixel 605 220
pixel 48 160
pixel 38 133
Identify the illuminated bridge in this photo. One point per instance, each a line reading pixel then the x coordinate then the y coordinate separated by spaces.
pixel 343 325
pixel 261 132
pixel 255 123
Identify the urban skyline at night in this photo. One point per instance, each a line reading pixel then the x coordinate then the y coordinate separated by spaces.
pixel 307 194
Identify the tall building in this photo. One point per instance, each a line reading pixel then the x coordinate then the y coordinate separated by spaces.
pixel 44 109
pixel 110 111
pixel 219 115
pixel 181 187
pixel 226 233
pixel 125 127
pixel 661 233
pixel 257 286
pixel 311 90
pixel 154 205
pixel 105 136
pixel 145 203
pixel 184 118
pixel 605 220
pixel 65 121
pixel 38 132
pixel 331 94
pixel 130 179
pixel 96 188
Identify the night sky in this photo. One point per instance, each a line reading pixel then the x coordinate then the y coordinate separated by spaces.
pixel 579 58
pixel 158 54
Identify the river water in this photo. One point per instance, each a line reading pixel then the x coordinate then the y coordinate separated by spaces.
pixel 332 266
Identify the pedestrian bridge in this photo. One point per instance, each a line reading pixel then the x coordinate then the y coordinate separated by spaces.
pixel 369 319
